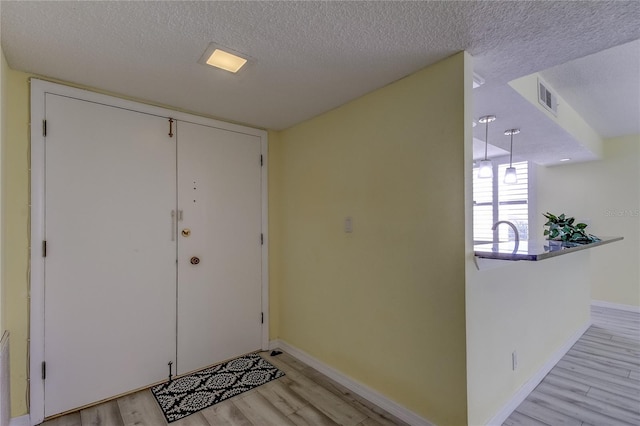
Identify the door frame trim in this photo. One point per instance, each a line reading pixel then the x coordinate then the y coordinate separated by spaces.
pixel 39 88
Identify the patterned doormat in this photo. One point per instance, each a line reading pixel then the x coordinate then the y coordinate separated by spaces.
pixel 190 394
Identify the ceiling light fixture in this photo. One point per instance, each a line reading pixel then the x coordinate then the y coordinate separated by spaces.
pixel 223 58
pixel 565 159
pixel 510 176
pixel 486 168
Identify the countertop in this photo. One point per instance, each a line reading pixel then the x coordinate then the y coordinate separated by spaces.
pixel 534 249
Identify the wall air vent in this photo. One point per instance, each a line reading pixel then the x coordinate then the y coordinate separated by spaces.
pixel 477 81
pixel 547 98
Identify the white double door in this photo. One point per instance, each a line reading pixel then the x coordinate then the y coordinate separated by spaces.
pixel 127 208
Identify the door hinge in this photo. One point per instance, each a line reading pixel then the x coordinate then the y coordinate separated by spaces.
pixel 44 128
pixel 261 317
pixel 44 370
pixel 261 160
pixel 44 248
pixel 261 239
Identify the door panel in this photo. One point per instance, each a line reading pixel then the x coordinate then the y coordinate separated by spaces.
pixel 219 193
pixel 110 270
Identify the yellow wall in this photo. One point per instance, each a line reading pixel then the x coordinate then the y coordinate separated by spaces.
pixel 15 205
pixel 534 307
pixel 384 304
pixel 396 291
pixel 529 307
pixel 3 96
pixel 606 194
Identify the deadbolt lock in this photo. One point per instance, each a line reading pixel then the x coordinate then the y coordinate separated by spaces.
pixel 195 260
pixel 186 232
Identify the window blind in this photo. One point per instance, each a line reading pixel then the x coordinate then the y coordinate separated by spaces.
pixel 493 200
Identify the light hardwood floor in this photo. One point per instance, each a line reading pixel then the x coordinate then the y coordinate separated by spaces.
pixel 596 383
pixel 302 397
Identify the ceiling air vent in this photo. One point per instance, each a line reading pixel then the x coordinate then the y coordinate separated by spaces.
pixel 547 98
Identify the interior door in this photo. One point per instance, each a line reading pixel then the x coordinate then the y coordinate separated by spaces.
pixel 110 266
pixel 219 247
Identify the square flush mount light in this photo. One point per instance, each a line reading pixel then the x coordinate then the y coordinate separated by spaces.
pixel 222 58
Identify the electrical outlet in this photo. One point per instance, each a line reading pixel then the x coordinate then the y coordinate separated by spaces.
pixel 514 360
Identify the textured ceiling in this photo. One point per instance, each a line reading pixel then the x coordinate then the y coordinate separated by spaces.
pixel 604 88
pixel 307 57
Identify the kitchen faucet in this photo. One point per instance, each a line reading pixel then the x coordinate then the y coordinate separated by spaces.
pixel 515 230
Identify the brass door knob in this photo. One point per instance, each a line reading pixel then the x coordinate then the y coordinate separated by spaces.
pixel 195 260
pixel 186 232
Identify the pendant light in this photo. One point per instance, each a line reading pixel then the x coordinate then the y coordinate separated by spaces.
pixel 510 176
pixel 486 168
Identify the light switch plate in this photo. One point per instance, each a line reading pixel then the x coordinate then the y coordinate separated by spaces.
pixel 348 224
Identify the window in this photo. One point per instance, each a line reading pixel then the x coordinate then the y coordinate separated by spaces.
pixel 493 200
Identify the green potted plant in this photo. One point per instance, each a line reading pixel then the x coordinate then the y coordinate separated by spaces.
pixel 563 228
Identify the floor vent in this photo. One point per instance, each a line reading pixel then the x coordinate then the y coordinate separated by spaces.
pixel 547 98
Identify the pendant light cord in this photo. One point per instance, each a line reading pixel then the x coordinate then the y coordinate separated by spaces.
pixel 486 139
pixel 511 151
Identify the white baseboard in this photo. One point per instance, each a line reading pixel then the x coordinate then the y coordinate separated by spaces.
pixel 358 388
pixel 619 306
pixel 20 421
pixel 535 380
